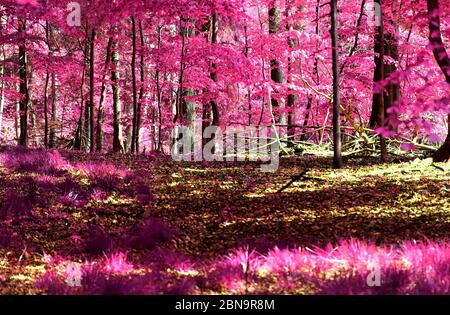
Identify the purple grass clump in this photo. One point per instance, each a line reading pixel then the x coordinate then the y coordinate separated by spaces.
pixel 38 161
pixel 150 233
pixel 117 263
pixel 144 195
pixel 103 175
pixel 68 185
pixel 15 204
pixel 53 284
pixel 72 199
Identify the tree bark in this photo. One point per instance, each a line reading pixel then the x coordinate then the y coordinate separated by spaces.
pixel 52 141
pixel 91 92
pixel 134 85
pixel 276 74
pixel 214 107
pixel 337 147
pixel 443 60
pixel 23 88
pixel 101 110
pixel 117 110
pixel 80 135
pixel 291 96
pixel 378 111
pixel 384 70
pixel 2 82
pixel 47 79
pixel 141 90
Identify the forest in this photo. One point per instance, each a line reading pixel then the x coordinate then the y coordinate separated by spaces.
pixel 156 147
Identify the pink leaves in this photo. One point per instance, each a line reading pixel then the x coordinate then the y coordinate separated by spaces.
pixel 30 2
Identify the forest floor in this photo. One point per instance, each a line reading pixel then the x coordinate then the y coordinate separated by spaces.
pixel 135 215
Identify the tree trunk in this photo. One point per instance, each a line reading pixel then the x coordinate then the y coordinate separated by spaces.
pixel 23 88
pixel 117 110
pixel 337 147
pixel 141 90
pixel 134 85
pixel 378 111
pixel 214 107
pixel 53 142
pixel 80 138
pixel 384 70
pixel 91 92
pixel 47 79
pixel 159 95
pixel 2 86
pixel 443 60
pixel 17 120
pixel 392 94
pixel 291 96
pixel 101 110
pixel 276 74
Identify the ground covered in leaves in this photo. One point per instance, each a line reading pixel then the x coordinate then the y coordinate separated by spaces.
pixel 74 223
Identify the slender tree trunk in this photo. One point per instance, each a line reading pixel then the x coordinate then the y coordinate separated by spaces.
pixel 87 126
pixel 17 118
pixel 53 142
pixel 337 147
pixel 80 138
pixel 179 100
pixel 2 86
pixel 249 98
pixel 2 81
pixel 443 60
pixel 388 46
pixel 392 94
pixel 315 75
pixel 92 92
pixel 141 90
pixel 158 95
pixel 214 107
pixel 23 88
pixel 378 112
pixel 101 110
pixel 134 85
pixel 117 110
pixel 47 79
pixel 291 96
pixel 276 74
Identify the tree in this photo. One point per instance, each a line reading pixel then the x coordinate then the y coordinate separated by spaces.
pixel 117 110
pixel 276 73
pixel 443 60
pixel 101 110
pixel 91 90
pixel 378 107
pixel 23 88
pixel 337 147
pixel 53 142
pixel 133 80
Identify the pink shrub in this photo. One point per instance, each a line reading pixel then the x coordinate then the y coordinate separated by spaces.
pixel 38 161
pixel 117 263
pixel 352 267
pixel 15 204
pixel 102 175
